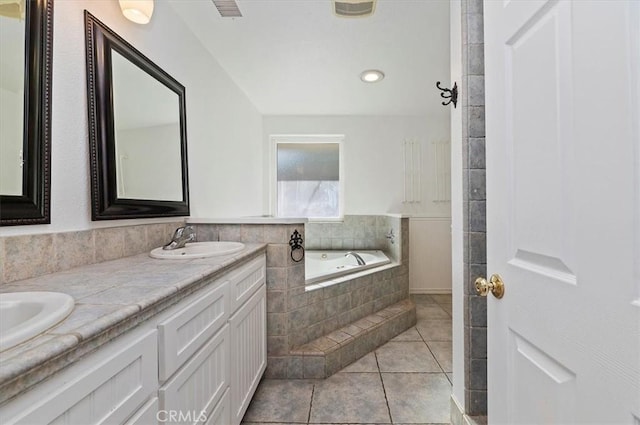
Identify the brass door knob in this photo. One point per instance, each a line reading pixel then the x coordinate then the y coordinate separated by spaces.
pixel 495 286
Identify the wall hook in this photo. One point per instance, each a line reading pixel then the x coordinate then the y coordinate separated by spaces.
pixel 451 94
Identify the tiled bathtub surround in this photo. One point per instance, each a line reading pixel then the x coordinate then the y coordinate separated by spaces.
pixel 357 232
pixel 296 315
pixel 27 256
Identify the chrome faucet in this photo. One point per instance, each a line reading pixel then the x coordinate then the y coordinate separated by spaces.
pixel 357 257
pixel 181 237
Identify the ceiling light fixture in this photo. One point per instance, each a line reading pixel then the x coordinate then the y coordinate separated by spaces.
pixel 372 76
pixel 138 11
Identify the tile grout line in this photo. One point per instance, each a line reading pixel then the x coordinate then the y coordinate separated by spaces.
pixel 384 390
pixel 434 356
pixel 313 390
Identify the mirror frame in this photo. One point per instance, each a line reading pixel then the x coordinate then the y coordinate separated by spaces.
pixel 34 205
pixel 105 204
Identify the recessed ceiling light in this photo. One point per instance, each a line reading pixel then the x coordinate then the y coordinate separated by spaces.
pixel 372 76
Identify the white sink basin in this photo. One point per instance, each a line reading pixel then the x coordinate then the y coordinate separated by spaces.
pixel 24 315
pixel 198 250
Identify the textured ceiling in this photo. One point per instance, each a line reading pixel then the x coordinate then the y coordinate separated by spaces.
pixel 295 57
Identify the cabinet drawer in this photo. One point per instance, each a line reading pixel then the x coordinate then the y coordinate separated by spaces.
pixel 199 385
pixel 186 331
pixel 244 282
pixel 104 388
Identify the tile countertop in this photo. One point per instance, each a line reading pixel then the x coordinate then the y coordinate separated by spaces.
pixel 111 298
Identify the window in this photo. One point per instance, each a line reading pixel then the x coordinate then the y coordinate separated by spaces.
pixel 308 176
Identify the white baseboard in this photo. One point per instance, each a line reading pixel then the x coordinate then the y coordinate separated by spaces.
pixel 457 412
pixel 430 291
pixel 458 417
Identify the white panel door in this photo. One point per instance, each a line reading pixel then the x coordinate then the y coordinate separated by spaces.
pixel 563 195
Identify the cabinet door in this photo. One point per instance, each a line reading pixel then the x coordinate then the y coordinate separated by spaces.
pixel 186 331
pixel 248 328
pixel 147 415
pixel 244 282
pixel 104 388
pixel 221 415
pixel 197 387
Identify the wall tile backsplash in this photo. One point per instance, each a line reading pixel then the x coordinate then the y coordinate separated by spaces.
pixel 356 232
pixel 26 256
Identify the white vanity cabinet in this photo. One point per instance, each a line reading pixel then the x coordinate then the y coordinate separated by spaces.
pixel 105 387
pixel 197 362
pixel 216 344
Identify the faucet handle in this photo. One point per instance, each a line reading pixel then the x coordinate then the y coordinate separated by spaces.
pixel 391 236
pixel 184 231
pixel 178 232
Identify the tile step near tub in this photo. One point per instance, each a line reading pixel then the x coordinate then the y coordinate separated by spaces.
pixel 328 354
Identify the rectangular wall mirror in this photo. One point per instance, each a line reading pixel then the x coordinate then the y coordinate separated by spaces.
pixel 137 131
pixel 26 32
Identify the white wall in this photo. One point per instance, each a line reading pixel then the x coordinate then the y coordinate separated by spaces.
pixel 373 157
pixel 456 212
pixel 430 255
pixel 224 130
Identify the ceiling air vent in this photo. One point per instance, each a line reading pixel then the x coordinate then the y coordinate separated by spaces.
pixel 354 8
pixel 227 8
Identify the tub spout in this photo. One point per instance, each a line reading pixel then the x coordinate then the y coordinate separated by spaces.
pixel 356 256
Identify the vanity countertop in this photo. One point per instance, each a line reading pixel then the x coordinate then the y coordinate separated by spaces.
pixel 110 298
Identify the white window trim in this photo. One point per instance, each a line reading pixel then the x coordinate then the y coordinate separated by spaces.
pixel 275 139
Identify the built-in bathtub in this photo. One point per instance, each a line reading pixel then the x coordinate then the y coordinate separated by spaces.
pixel 322 266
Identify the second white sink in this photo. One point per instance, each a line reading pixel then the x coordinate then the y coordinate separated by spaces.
pixel 24 315
pixel 198 250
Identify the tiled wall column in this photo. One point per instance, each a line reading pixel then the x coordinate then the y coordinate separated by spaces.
pixel 285 282
pixel 474 221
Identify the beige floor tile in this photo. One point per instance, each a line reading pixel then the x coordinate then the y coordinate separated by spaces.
pixel 410 334
pixel 422 299
pixel 432 311
pixel 410 356
pixel 280 400
pixel 435 330
pixel 443 352
pixel 366 364
pixel 442 298
pixel 350 398
pixel 418 397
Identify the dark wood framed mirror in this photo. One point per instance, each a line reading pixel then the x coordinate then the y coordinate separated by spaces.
pixel 26 37
pixel 137 131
